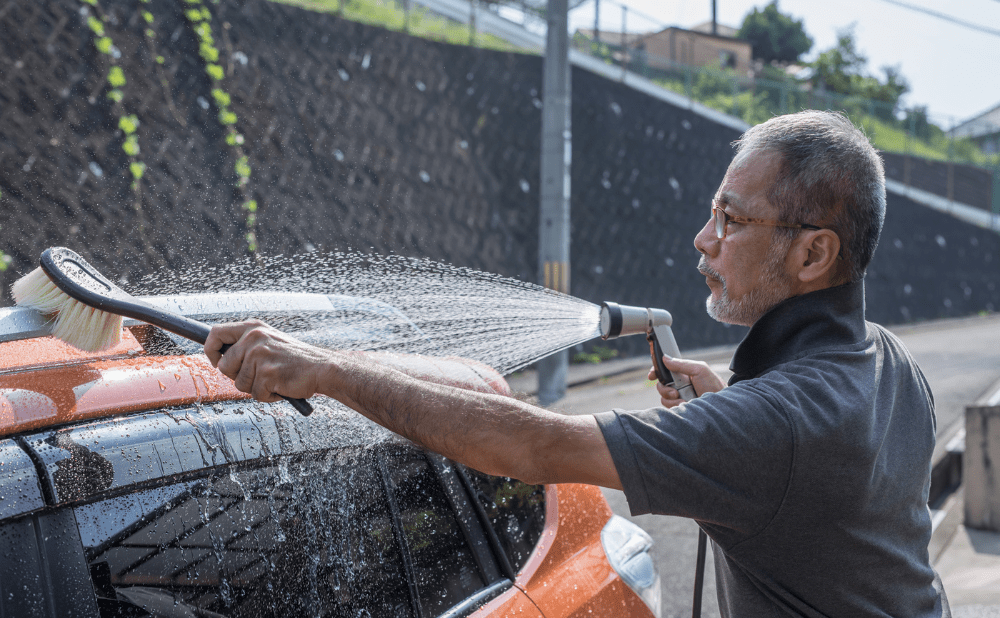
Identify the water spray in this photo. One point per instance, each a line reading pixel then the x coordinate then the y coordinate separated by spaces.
pixel 620 320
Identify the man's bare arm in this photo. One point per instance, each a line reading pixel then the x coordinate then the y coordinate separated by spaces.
pixel 491 433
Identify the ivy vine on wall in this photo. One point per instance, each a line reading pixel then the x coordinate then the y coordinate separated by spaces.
pixel 128 123
pixel 199 18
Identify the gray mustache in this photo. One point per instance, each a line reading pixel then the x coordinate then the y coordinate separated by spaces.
pixel 705 269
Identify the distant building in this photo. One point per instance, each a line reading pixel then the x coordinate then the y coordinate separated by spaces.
pixel 673 47
pixel 720 29
pixel 984 130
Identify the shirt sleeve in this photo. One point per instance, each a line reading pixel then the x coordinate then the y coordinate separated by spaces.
pixel 724 459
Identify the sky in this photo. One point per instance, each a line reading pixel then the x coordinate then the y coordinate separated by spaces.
pixel 953 70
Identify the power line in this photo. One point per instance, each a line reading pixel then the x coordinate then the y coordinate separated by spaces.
pixel 654 20
pixel 949 18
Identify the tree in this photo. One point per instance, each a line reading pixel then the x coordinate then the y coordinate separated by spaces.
pixel 834 68
pixel 774 37
pixel 843 69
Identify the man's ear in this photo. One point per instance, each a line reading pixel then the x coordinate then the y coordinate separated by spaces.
pixel 814 256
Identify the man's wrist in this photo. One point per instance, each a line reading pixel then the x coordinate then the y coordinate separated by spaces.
pixel 330 374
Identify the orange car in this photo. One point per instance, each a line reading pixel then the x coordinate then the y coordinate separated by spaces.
pixel 139 482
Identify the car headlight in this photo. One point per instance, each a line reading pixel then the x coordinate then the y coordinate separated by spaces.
pixel 627 547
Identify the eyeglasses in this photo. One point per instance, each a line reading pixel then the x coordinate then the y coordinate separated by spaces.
pixel 722 219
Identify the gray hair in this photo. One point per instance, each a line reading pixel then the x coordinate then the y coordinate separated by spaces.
pixel 830 176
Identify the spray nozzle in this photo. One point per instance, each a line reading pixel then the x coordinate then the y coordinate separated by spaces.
pixel 620 320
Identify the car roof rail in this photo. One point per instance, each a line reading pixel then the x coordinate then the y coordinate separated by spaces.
pixel 18 323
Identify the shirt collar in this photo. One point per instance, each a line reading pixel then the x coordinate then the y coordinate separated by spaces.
pixel 827 318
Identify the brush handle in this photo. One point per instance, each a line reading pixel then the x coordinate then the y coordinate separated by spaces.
pixel 81 281
pixel 198 331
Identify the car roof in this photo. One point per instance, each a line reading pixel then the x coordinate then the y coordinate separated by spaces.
pixel 45 382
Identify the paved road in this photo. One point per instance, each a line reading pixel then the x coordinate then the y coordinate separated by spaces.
pixel 961 359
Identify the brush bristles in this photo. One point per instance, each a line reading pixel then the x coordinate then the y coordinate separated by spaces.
pixel 79 325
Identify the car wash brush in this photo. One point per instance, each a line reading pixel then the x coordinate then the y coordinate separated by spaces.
pixel 76 323
pixel 89 307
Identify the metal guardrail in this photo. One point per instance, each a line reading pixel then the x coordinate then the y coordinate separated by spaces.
pixel 969 214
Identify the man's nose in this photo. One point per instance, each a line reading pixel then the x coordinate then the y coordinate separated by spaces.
pixel 706 241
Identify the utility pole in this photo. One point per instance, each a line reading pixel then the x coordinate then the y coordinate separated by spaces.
pixel 597 21
pixel 715 24
pixel 553 220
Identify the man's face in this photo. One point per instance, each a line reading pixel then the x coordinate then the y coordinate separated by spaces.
pixel 746 271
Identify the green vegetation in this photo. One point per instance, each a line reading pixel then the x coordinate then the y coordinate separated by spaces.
pixel 842 69
pixel 839 79
pixel 775 37
pixel 757 100
pixel 200 19
pixel 597 356
pixel 421 22
pixel 127 123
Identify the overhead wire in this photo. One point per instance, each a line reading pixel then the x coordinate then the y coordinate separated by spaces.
pixel 945 17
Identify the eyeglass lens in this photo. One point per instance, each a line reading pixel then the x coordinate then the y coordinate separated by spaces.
pixel 720 222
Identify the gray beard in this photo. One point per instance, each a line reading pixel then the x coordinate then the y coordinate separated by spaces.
pixel 744 311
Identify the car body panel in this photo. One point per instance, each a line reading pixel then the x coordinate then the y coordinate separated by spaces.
pixel 568 574
pixel 512 602
pixel 27 354
pixel 61 385
pixel 67 393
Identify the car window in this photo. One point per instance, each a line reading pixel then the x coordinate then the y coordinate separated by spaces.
pixel 296 537
pixel 444 568
pixel 515 510
pixel 249 509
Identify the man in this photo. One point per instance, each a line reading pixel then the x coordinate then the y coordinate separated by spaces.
pixel 809 471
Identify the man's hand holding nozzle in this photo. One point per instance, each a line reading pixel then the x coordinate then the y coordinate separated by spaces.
pixel 702 378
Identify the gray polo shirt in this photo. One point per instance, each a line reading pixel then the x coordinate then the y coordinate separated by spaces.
pixel 810 472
